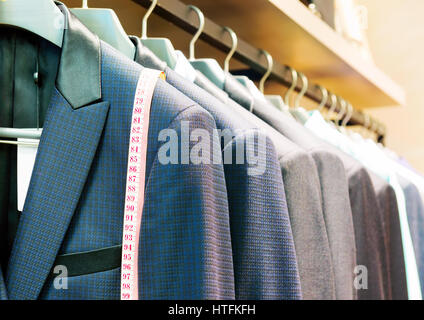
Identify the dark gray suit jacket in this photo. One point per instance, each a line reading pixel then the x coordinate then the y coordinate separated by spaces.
pixel 304 200
pixel 369 233
pixel 395 284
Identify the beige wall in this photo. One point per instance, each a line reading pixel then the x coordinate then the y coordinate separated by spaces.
pixel 396 38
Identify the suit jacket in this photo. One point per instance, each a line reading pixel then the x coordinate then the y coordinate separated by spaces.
pixel 265 263
pixel 363 216
pixel 397 288
pixel 75 202
pixel 369 234
pixel 415 211
pixel 335 196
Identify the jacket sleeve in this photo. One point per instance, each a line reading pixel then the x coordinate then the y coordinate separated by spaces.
pixel 265 263
pixel 185 246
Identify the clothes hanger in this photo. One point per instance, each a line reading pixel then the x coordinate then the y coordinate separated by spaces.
pixel 233 48
pixel 299 113
pixel 161 47
pixel 278 101
pixel 13 133
pixel 105 24
pixel 332 107
pixel 41 17
pixel 324 97
pixel 246 82
pixel 292 86
pixel 250 85
pixel 341 113
pixel 347 118
pixel 268 71
pixel 302 91
pixel 209 67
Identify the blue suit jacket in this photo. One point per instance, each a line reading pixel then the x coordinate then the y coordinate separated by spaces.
pixel 265 263
pixel 75 201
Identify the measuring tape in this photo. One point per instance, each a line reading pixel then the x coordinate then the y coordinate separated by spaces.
pixel 136 172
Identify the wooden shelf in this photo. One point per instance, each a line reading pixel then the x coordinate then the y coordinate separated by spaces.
pixel 288 31
pixel 296 37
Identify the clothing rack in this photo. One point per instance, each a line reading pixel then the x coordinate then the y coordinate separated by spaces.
pixel 178 13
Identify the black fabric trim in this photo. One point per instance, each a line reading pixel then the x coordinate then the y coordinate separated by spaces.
pixel 83 263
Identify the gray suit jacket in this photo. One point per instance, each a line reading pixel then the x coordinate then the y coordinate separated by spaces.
pixel 369 233
pixel 304 200
pixel 334 191
pixel 395 284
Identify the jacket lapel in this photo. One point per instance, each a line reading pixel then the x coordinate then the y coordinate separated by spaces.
pixel 72 130
pixel 67 148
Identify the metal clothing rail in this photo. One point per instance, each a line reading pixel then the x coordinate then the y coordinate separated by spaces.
pixel 179 14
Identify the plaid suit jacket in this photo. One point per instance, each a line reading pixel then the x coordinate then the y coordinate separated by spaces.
pixel 75 201
pixel 265 263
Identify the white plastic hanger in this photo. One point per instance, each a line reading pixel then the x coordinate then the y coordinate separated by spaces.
pixel 41 17
pixel 13 133
pixel 161 47
pixel 209 67
pixel 245 81
pixel 105 24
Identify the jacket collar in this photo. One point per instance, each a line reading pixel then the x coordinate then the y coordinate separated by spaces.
pixel 237 92
pixel 79 77
pixel 145 57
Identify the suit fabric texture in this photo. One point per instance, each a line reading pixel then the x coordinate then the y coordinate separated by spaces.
pixel 76 196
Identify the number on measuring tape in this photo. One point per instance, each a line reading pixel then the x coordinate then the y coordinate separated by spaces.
pixel 136 172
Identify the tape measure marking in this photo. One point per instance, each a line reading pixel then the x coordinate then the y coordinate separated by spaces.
pixel 136 172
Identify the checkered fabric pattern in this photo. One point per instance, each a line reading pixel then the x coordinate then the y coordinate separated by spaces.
pixel 76 199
